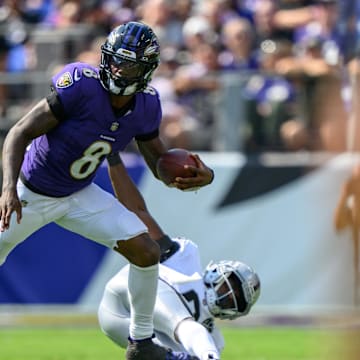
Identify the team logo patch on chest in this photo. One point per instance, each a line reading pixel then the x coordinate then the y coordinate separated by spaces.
pixel 64 81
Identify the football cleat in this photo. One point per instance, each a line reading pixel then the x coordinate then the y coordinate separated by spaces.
pixel 212 357
pixel 147 350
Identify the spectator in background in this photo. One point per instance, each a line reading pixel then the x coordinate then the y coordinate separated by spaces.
pixel 195 85
pixel 175 117
pixel 238 40
pixel 16 52
pixel 322 30
pixel 316 65
pixel 290 15
pixel 270 103
pixel 196 31
pixel 67 14
pixel 34 12
pixel 119 14
pixel 171 59
pixel 160 16
pixel 216 12
pixel 243 8
pixel 263 14
pixel 182 9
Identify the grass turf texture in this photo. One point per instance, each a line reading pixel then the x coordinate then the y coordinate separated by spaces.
pixel 59 343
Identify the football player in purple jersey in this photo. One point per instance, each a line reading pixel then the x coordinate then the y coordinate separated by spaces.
pixel 50 158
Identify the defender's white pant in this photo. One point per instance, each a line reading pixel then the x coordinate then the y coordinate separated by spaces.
pixel 114 314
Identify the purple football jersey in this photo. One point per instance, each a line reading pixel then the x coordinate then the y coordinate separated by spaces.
pixel 65 159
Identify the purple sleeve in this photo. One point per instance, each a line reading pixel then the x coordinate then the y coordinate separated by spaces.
pixel 68 85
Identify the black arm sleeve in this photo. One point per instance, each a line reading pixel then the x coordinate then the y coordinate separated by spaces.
pixel 56 105
pixel 113 159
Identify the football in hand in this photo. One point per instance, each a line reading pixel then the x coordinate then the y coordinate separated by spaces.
pixel 171 164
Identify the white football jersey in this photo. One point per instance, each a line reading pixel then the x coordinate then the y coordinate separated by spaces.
pixel 181 294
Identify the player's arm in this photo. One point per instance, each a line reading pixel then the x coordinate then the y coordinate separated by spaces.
pixel 39 120
pixel 202 174
pixel 151 150
pixel 129 195
pixel 36 122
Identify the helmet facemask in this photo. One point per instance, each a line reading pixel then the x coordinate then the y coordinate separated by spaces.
pixel 231 289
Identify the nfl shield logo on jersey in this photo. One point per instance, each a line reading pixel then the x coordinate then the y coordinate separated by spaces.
pixel 114 126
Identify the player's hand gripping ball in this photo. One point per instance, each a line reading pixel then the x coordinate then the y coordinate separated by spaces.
pixel 172 164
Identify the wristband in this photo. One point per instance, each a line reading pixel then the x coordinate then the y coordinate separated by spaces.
pixel 168 247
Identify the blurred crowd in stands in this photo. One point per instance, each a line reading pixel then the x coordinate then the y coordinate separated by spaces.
pixel 270 73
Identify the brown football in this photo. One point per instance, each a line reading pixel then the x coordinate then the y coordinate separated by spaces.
pixel 170 165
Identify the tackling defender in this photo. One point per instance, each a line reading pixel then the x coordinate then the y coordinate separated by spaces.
pixel 92 114
pixel 186 302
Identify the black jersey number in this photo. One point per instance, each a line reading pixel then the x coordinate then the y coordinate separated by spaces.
pixel 192 297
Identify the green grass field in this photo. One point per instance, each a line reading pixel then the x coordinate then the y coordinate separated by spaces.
pixel 88 343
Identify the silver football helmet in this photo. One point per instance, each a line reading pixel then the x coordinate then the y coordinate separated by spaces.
pixel 232 288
